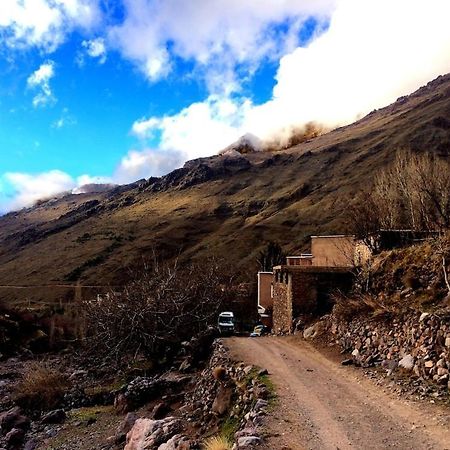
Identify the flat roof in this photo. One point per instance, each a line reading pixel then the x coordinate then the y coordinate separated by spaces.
pixel 313 269
pixel 264 272
pixel 333 236
pixel 305 255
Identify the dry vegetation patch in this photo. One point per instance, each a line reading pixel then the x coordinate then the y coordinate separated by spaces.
pixel 41 387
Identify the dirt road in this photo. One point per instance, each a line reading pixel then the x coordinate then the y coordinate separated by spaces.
pixel 323 405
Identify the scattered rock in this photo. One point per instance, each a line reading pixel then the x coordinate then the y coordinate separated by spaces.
pixel 32 444
pixel 347 362
pixel 248 442
pixel 222 401
pixel 160 410
pixel 125 426
pixel 53 417
pixel 15 438
pixel 13 418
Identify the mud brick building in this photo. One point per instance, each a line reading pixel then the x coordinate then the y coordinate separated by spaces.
pixel 305 290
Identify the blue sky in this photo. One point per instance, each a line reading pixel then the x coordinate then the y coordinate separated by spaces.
pixel 117 90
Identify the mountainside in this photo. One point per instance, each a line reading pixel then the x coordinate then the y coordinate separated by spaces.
pixel 228 205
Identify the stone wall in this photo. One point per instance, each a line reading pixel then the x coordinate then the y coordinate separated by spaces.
pixel 304 291
pixel 227 391
pixel 282 307
pixel 416 343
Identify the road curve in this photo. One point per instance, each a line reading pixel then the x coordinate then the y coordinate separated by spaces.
pixel 323 405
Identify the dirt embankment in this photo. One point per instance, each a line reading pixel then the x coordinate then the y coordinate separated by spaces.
pixel 323 405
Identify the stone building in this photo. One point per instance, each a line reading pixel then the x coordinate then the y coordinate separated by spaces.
pixel 304 285
pixel 301 290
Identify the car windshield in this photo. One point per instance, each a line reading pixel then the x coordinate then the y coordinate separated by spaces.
pixel 226 320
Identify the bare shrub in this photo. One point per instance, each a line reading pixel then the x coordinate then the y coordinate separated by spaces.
pixel 347 308
pixel 413 193
pixel 272 255
pixel 219 373
pixel 41 387
pixel 154 313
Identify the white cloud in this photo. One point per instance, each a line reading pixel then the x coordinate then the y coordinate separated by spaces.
pixel 44 23
pixel 373 52
pixel 95 48
pixel 146 163
pixel 215 34
pixel 19 190
pixel 199 130
pixel 27 189
pixel 40 81
pixel 65 120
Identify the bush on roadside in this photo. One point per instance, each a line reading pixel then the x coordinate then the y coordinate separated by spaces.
pixel 156 312
pixel 41 387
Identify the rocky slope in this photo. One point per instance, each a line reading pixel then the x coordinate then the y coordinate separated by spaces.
pixel 228 205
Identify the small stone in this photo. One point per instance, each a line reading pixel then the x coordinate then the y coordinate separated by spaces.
pixel 407 362
pixel 248 442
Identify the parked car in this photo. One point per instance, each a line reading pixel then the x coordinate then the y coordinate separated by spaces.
pixel 226 322
pixel 259 330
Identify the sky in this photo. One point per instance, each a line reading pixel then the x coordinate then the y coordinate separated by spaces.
pixel 112 91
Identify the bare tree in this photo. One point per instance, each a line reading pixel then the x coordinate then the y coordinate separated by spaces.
pixel 271 256
pixel 157 311
pixel 412 193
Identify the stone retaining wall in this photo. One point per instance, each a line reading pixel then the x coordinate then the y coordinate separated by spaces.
pixel 417 343
pixel 228 391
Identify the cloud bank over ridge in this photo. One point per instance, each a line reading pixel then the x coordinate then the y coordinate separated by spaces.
pixel 372 53
pixel 361 55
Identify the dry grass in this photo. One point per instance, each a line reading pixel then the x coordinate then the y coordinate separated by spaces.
pixel 41 387
pixel 217 443
pixel 219 373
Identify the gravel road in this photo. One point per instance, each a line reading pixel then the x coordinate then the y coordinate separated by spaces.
pixel 323 405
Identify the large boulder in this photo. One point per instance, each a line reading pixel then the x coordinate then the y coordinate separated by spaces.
pixel 177 442
pixel 148 434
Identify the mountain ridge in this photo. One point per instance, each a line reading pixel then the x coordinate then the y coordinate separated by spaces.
pixel 228 205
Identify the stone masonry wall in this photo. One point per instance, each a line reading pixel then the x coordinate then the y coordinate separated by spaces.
pixel 417 343
pixel 282 308
pixel 229 391
pixel 304 293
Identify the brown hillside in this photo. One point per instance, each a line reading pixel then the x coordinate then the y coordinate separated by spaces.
pixel 228 206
